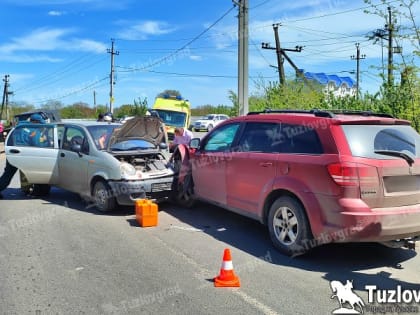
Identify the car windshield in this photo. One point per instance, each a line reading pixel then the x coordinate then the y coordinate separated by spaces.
pixel 209 117
pixel 132 145
pixel 374 141
pixel 172 118
pixel 101 134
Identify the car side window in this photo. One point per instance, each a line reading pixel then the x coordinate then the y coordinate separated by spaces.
pixel 73 136
pixel 260 137
pixel 33 135
pixel 221 139
pixel 299 139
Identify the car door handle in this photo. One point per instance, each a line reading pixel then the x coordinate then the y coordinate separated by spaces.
pixel 62 155
pixel 14 151
pixel 266 164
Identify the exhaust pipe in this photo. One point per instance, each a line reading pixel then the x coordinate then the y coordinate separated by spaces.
pixel 409 243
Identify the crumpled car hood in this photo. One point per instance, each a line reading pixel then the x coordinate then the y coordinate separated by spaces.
pixel 148 128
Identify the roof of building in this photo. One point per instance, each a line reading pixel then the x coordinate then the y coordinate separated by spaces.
pixel 324 79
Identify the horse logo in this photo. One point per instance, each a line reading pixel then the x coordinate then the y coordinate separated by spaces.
pixel 345 295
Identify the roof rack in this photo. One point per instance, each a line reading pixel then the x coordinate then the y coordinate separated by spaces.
pixel 360 112
pixel 321 113
pixel 315 112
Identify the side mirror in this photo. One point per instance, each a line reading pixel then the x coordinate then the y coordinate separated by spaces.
pixel 163 146
pixel 195 143
pixel 76 148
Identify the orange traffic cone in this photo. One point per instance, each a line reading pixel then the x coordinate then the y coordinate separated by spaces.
pixel 227 277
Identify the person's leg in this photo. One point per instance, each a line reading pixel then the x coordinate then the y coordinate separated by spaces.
pixel 6 178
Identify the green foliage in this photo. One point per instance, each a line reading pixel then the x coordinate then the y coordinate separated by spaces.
pixel 293 94
pixel 139 108
pixel 78 110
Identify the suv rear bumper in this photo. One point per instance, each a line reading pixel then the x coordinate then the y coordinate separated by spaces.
pixel 381 224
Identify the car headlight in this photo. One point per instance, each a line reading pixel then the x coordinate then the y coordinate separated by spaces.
pixel 127 170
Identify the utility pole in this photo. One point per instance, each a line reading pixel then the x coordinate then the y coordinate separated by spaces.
pixel 357 58
pixel 390 29
pixel 94 99
pixel 282 77
pixel 281 52
pixel 242 56
pixel 6 93
pixel 111 76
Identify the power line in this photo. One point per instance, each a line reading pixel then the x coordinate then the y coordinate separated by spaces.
pixel 76 91
pixel 163 59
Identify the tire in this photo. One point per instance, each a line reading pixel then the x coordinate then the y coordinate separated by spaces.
pixel 182 194
pixel 288 226
pixel 36 190
pixel 209 128
pixel 102 196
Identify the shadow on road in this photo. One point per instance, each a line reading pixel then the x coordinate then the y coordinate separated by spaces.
pixel 66 199
pixel 338 261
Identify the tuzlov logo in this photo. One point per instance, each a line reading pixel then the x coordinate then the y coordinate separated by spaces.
pixel 345 295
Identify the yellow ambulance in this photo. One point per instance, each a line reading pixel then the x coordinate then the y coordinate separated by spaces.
pixel 174 111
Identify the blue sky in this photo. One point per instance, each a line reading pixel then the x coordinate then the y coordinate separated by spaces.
pixel 57 49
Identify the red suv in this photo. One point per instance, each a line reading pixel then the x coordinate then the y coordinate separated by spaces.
pixel 313 177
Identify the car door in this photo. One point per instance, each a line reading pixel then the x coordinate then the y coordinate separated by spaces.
pixel 33 149
pixel 73 166
pixel 253 166
pixel 209 164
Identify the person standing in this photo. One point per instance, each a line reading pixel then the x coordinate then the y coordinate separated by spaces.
pixel 182 136
pixel 10 170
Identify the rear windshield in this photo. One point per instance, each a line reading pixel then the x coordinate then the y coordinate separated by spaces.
pixel 364 140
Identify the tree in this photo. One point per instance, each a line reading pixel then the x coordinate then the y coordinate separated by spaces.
pixel 53 105
pixel 139 108
pixel 401 99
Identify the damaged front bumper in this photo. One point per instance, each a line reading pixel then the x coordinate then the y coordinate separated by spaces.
pixel 127 192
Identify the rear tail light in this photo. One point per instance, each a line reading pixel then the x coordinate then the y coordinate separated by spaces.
pixel 353 174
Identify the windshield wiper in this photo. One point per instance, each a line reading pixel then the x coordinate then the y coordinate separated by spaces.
pixel 406 155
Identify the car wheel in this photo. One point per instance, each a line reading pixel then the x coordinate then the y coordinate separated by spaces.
pixel 210 127
pixel 182 194
pixel 288 226
pixel 102 195
pixel 36 190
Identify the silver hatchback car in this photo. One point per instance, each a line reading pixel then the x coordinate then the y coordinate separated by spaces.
pixel 107 163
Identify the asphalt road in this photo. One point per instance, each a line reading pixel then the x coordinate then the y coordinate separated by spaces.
pixel 59 256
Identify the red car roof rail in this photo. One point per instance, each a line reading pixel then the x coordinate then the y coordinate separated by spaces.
pixel 321 113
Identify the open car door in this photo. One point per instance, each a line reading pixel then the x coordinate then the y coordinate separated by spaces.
pixel 33 149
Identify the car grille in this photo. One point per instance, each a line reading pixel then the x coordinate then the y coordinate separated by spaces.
pixel 156 187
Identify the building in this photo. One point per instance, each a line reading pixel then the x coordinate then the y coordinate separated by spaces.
pixel 333 84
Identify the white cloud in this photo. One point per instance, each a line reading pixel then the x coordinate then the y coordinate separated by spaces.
pixel 56 13
pixel 143 30
pixel 195 58
pixel 50 40
pixel 24 58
